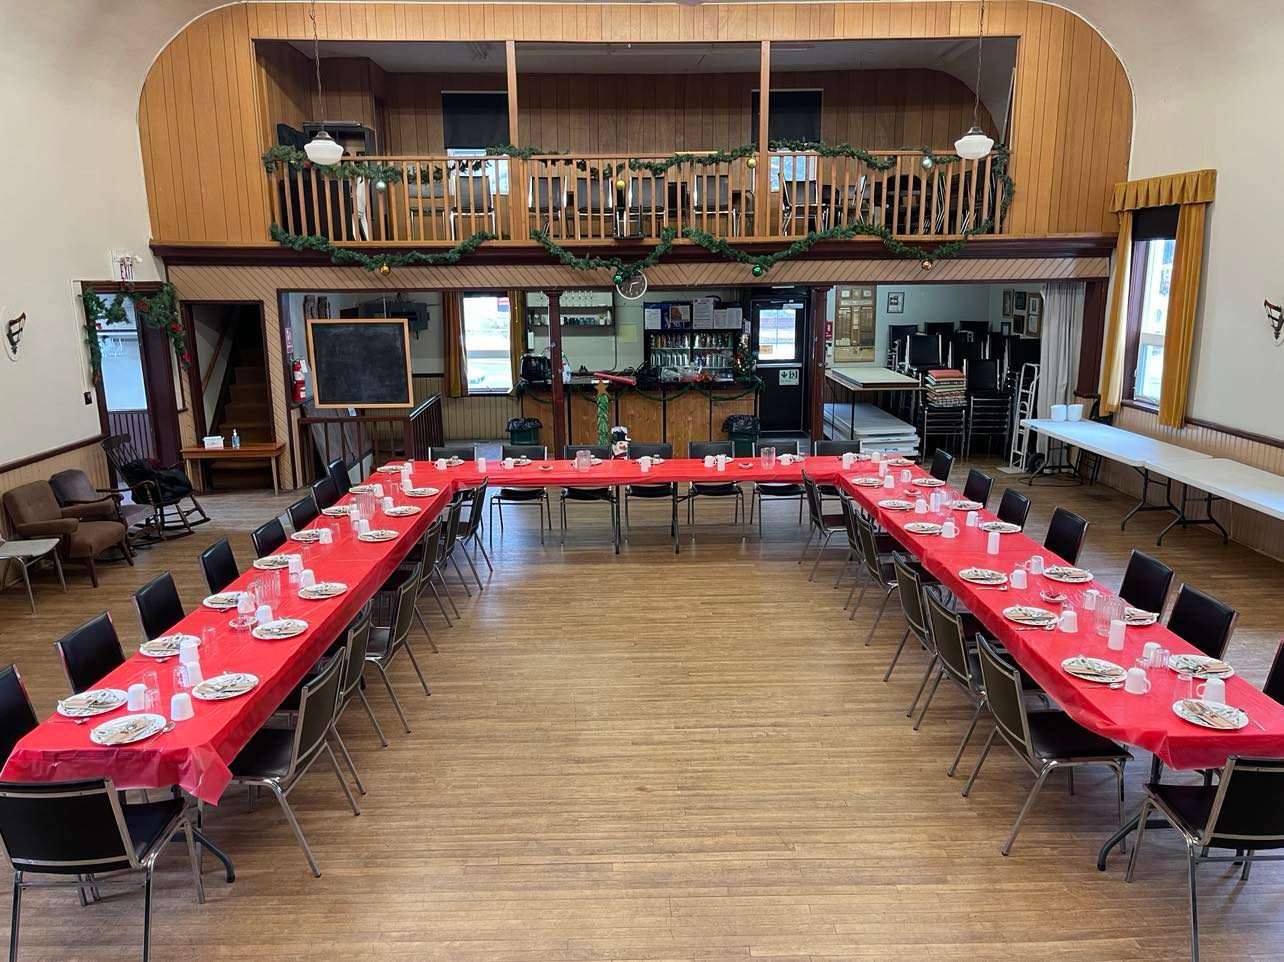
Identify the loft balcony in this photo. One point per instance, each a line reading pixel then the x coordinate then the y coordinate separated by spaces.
pixel 439 200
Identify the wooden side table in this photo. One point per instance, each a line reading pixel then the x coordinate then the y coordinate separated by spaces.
pixel 258 451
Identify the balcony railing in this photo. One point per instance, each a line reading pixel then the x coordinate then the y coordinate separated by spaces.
pixel 440 200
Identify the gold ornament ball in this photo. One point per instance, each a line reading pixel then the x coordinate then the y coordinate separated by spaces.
pixel 620 183
pixel 385 270
pixel 925 264
pixel 751 163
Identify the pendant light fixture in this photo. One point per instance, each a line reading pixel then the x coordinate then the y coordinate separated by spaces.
pixel 975 145
pixel 322 148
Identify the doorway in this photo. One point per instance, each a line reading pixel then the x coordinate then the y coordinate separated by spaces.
pixel 137 387
pixel 780 323
pixel 231 386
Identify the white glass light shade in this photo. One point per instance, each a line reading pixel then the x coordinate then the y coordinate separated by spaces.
pixel 974 144
pixel 322 149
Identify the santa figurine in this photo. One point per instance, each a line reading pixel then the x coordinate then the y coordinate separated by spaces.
pixel 620 441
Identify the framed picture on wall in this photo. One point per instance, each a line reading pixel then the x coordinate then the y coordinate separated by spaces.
pixel 1018 325
pixel 895 302
pixel 1005 328
pixel 1018 301
pixel 1007 303
pixel 1034 305
pixel 1033 325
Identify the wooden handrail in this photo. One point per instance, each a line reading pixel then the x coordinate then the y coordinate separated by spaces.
pixel 218 349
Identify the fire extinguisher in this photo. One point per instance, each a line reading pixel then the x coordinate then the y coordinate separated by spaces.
pixel 300 376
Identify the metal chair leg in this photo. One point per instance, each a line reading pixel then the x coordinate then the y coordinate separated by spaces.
pixel 147 913
pixel 1146 806
pixel 879 617
pixel 967 737
pixel 343 750
pixel 459 573
pixel 927 702
pixel 896 655
pixel 819 555
pixel 985 753
pixel 473 568
pixel 1029 803
pixel 294 824
pixel 373 720
pixel 396 702
pixel 338 773
pixel 485 557
pixel 415 662
pixel 194 859
pixel 1194 906
pixel 927 676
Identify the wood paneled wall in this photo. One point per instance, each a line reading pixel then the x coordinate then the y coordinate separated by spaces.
pixel 1257 531
pixel 88 456
pixel 202 131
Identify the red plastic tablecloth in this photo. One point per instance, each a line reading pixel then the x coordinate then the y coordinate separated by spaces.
pixel 1146 721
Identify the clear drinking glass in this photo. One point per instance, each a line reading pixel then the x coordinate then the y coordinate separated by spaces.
pixel 1183 686
pixel 1109 608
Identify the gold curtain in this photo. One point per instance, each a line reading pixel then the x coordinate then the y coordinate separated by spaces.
pixel 1191 191
pixel 452 311
pixel 1183 298
pixel 1115 341
pixel 516 331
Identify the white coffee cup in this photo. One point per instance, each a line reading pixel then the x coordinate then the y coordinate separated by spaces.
pixel 949 530
pixel 387 504
pixel 307 578
pixel 1036 564
pixel 441 464
pixel 848 460
pixel 180 706
pixel 137 697
pixel 1059 412
pixel 1213 689
pixel 1074 412
pixel 889 482
pixel 1136 682
pixel 972 520
pixel 1018 578
pixel 263 613
pixel 1115 640
pixel 1069 621
pixel 905 475
pixel 920 506
pixel 1148 652
pixel 644 463
pixel 326 536
pixel 992 543
pixel 378 490
pixel 189 651
pixel 708 460
pixel 508 464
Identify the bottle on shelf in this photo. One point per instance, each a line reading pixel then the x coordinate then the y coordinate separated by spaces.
pixel 236 440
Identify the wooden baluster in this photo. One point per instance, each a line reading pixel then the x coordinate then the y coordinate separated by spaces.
pixel 285 200
pixel 989 207
pixel 449 213
pixel 896 195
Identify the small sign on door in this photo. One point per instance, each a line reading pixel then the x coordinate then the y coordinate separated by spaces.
pixel 789 377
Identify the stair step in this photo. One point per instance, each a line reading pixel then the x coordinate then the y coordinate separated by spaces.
pixel 249 373
pixel 247 393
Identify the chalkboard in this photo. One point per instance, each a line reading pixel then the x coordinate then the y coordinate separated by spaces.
pixel 361 363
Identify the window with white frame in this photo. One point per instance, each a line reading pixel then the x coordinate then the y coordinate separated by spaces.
pixel 486 343
pixel 1154 244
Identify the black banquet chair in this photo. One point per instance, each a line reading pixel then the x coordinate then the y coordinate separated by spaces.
pixel 277 758
pixel 303 512
pixel 776 491
pixel 17 717
pixel 158 605
pixel 942 462
pixel 1146 582
pixel 714 489
pixel 520 496
pixel 1014 507
pixel 1202 621
pixel 1066 533
pixel 591 495
pixel 654 492
pixel 83 835
pixel 218 564
pixel 337 471
pixel 89 653
pixel 465 452
pixel 325 492
pixel 267 537
pixel 978 487
pixel 1244 811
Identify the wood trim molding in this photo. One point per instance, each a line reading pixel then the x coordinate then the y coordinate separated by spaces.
pixel 1233 432
pixel 51 453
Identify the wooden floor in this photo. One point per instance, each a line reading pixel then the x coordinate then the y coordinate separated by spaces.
pixel 668 758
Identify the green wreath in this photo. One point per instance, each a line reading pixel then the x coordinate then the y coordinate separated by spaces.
pixel 158 310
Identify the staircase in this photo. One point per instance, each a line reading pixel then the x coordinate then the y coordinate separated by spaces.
pixel 245 405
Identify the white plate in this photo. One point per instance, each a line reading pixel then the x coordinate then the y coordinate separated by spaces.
pixel 226 600
pixel 361 489
pixel 1029 615
pixel 96 701
pixel 140 726
pixel 1093 669
pixel 923 527
pixel 1135 617
pixel 1067 574
pixel 1190 708
pixel 454 462
pixel 337 511
pixel 895 504
pixel 273 562
pixel 790 458
pixel 900 462
pixel 229 685
pixel 403 511
pixel 323 590
pixel 521 462
pixel 307 536
pixel 423 492
pixel 868 482
pixel 166 646
pixel 1201 666
pixel 962 504
pixel 983 576
pixel 1002 527
pixel 595 460
pixel 280 628
pixel 378 534
pixel 390 469
pixel 928 482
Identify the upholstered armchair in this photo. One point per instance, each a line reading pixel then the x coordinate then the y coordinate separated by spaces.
pixel 34 512
pixel 74 490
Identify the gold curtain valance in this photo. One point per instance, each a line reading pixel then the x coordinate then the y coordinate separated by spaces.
pixel 1191 187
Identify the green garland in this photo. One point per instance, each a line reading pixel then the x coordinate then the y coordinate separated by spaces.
pixel 603 402
pixel 281 156
pixel 623 269
pixel 383 263
pixel 158 310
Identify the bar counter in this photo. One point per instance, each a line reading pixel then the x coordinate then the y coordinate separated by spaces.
pixel 672 413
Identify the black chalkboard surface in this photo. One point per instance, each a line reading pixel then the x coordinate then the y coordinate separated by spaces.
pixel 361 363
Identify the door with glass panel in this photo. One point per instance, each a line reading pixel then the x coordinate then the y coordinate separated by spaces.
pixel 781 328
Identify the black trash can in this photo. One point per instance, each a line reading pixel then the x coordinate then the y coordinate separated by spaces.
pixel 743 430
pixel 524 430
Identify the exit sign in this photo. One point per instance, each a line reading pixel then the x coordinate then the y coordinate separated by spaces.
pixel 789 377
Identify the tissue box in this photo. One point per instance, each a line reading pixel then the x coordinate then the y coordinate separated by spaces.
pixel 213 441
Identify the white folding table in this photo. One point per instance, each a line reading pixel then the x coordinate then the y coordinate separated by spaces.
pixel 1146 455
pixel 1221 479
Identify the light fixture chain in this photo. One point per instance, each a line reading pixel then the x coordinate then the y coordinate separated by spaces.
pixel 316 58
pixel 976 91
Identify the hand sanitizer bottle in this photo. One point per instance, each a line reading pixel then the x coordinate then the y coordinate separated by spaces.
pixel 236 440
